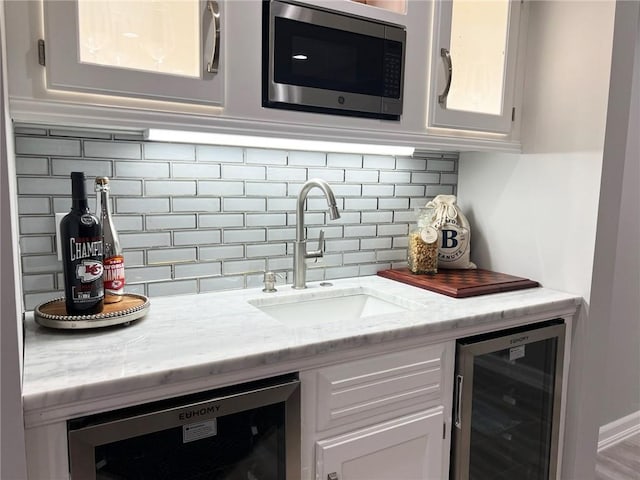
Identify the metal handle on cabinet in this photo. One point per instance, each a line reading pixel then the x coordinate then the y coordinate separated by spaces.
pixel 446 56
pixel 212 65
pixel 457 416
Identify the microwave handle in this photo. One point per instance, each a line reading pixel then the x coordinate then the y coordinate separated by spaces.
pixel 446 57
pixel 212 64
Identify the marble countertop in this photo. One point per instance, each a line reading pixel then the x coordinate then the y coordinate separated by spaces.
pixel 188 337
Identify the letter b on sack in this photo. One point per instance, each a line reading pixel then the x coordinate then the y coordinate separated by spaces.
pixel 449 239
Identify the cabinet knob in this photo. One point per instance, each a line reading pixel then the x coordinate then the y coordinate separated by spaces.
pixel 332 476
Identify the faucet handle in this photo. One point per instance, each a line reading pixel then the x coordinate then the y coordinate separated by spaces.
pixel 317 253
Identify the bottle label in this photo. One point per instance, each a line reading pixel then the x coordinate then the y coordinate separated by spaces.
pixel 88 270
pixel 85 254
pixel 114 274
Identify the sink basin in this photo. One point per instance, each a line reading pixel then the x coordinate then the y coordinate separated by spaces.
pixel 324 307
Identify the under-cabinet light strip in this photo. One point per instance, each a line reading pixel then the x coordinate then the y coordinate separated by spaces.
pixel 184 136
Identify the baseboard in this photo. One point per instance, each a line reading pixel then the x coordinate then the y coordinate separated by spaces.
pixel 618 430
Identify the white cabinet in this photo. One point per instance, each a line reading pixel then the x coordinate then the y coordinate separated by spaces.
pixel 386 417
pixel 474 60
pixel 408 448
pixel 152 49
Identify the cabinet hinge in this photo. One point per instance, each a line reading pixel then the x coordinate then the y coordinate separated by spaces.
pixel 513 114
pixel 41 52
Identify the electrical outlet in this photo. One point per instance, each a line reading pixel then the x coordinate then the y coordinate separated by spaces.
pixel 59 217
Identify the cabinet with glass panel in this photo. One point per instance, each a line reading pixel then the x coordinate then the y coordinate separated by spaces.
pixel 474 65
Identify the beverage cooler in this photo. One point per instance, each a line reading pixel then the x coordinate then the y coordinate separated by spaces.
pixel 507 404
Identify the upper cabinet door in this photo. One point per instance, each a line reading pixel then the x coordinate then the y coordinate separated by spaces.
pixel 474 64
pixel 164 50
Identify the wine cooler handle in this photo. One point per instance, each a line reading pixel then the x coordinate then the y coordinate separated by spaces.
pixel 332 476
pixel 457 418
pixel 212 65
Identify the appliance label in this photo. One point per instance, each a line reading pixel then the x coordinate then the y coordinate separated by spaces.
pixel 197 431
pixel 516 352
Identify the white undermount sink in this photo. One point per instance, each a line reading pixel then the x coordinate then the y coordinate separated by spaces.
pixel 343 305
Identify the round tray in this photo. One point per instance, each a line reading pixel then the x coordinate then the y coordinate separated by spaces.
pixel 53 313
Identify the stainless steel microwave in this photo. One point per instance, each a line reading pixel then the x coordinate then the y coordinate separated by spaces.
pixel 322 61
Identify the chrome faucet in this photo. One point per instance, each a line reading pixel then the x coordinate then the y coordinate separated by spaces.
pixel 300 246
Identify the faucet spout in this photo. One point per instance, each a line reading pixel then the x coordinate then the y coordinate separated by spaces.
pixel 300 252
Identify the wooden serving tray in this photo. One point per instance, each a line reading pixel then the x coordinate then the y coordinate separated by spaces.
pixel 53 313
pixel 460 283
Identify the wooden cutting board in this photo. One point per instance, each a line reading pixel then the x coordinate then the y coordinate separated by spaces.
pixel 460 283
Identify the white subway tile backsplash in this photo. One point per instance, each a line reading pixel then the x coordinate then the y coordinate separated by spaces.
pixel 267 250
pixel 209 153
pixel 345 160
pixel 198 270
pixel 264 189
pixel 130 151
pixel 395 177
pixel 37 225
pixel 361 176
pixel 243 172
pixel 221 283
pixel 220 220
pixel 172 188
pixel 360 204
pixel 326 174
pixel 377 217
pixel 413 164
pixel 287 174
pixel 377 190
pixel 195 204
pixel 308 159
pixel 342 245
pixel 169 151
pixel 142 169
pixel 93 168
pixel 159 256
pixel 266 157
pixel 34 205
pixel 128 223
pixel 170 222
pixel 221 252
pixel 266 219
pixel 410 190
pixel 48 147
pixel 359 231
pixel 375 243
pixel 232 267
pixel 199 237
pixel 195 170
pixel 181 287
pixel 32 166
pixel 147 274
pixel 245 235
pixel 145 240
pixel 139 205
pixel 196 218
pixel 379 161
pixel 36 244
pixel 441 165
pixel 244 204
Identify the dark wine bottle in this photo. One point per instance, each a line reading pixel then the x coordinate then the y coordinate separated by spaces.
pixel 81 239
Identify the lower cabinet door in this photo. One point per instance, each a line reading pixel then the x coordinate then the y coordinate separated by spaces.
pixel 407 448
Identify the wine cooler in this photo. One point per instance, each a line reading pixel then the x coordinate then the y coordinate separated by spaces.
pixel 507 404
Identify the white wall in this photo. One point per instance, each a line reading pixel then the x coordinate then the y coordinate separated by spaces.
pixel 12 452
pixel 536 214
pixel 622 382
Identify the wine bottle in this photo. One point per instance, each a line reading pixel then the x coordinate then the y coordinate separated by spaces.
pixel 81 239
pixel 113 259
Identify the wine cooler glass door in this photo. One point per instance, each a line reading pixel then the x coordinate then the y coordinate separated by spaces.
pixel 508 406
